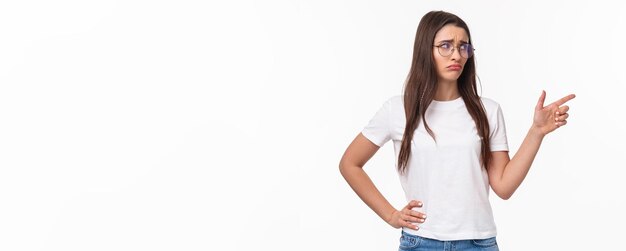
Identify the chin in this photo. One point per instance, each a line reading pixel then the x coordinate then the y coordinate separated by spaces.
pixel 452 78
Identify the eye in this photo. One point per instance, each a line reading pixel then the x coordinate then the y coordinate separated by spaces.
pixel 465 47
pixel 445 45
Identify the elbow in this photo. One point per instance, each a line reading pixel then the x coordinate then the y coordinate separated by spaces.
pixel 343 168
pixel 503 189
pixel 504 195
pixel 347 168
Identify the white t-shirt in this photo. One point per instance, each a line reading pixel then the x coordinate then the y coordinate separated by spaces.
pixel 447 176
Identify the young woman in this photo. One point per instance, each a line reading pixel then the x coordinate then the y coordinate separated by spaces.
pixel 450 145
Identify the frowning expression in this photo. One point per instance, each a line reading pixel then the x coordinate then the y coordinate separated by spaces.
pixel 451 49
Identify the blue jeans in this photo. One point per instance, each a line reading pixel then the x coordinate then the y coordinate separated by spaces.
pixel 417 243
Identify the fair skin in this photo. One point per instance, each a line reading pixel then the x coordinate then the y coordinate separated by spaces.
pixel 505 174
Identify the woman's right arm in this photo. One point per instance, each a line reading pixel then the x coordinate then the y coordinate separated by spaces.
pixel 351 166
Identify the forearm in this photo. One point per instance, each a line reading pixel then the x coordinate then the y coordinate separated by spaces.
pixel 367 191
pixel 517 168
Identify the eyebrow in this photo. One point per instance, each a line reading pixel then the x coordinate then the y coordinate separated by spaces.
pixel 451 40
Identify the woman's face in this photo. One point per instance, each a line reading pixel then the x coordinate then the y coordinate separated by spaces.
pixel 450 38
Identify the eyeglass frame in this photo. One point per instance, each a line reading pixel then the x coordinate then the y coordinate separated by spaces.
pixel 456 48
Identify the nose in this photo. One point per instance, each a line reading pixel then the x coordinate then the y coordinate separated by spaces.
pixel 456 54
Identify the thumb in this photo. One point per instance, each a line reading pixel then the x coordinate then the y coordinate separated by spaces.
pixel 542 99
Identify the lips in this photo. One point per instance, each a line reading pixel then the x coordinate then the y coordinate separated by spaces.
pixel 454 67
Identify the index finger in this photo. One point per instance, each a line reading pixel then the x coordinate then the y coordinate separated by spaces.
pixel 564 99
pixel 412 204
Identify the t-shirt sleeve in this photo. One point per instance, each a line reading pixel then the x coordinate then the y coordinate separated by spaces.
pixel 498 133
pixel 377 130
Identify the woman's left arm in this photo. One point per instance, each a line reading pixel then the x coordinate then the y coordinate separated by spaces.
pixel 506 175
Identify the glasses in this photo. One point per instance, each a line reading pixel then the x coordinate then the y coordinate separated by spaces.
pixel 446 49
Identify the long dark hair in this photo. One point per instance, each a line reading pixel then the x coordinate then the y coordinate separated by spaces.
pixel 421 86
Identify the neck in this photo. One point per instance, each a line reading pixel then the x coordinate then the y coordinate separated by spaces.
pixel 447 90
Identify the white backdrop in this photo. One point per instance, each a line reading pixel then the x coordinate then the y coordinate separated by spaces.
pixel 194 125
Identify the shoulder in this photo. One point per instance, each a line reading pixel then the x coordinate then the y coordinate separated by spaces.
pixel 490 104
pixel 492 108
pixel 394 107
pixel 394 102
pixel 395 99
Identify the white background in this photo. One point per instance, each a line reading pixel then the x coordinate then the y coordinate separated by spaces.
pixel 194 125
